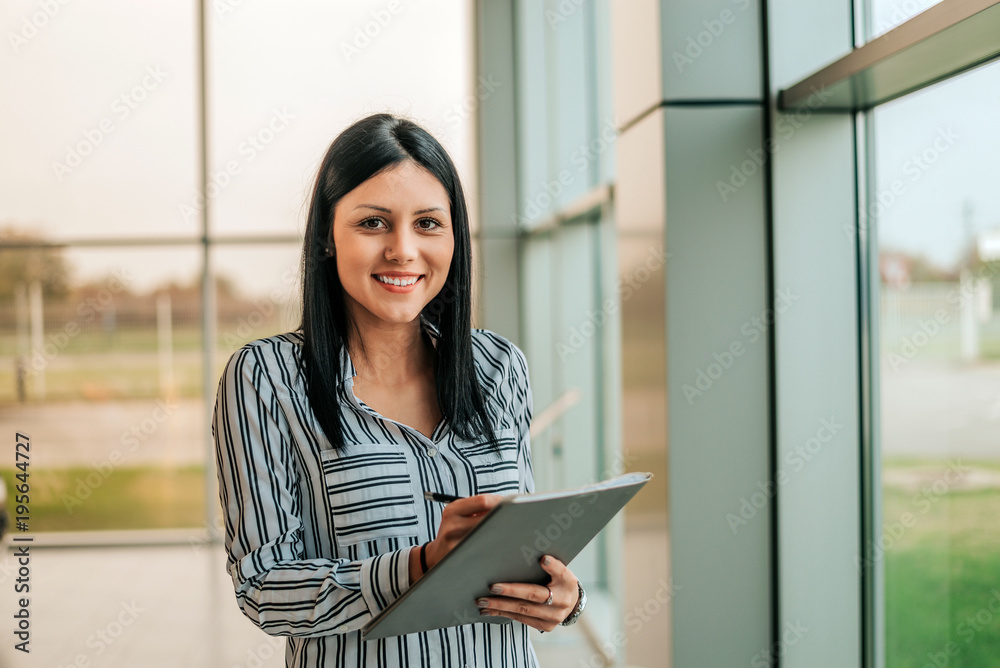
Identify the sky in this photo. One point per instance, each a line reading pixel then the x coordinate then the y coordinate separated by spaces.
pixel 100 137
pixel 934 150
pixel 936 170
pixel 102 141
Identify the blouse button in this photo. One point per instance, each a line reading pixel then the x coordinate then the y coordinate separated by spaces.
pixel 431 452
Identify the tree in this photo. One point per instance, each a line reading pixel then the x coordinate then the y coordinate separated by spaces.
pixel 24 265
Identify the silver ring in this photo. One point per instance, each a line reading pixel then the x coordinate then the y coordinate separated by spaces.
pixel 549 601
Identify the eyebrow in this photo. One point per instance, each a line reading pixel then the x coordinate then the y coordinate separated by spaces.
pixel 385 210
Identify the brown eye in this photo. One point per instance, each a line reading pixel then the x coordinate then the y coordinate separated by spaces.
pixel 372 223
pixel 428 224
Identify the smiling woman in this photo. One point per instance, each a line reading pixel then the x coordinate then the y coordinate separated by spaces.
pixel 390 266
pixel 327 437
pixel 380 165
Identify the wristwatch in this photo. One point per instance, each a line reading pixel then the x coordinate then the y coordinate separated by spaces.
pixel 578 610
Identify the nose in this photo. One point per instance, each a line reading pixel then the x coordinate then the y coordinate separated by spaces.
pixel 401 245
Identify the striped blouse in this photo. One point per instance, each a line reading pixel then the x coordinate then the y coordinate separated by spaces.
pixel 317 540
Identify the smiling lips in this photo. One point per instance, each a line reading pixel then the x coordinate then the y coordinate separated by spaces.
pixel 397 284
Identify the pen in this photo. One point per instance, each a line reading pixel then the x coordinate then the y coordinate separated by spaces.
pixel 443 498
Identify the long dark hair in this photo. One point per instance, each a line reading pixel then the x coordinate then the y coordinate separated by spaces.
pixel 366 148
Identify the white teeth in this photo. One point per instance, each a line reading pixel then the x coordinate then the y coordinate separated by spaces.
pixel 397 281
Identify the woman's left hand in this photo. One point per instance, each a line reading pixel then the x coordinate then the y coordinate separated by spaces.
pixel 525 602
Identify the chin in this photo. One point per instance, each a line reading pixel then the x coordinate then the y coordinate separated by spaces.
pixel 397 317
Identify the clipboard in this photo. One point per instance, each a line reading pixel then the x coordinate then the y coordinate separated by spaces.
pixel 505 546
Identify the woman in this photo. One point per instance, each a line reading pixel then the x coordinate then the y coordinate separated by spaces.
pixel 327 437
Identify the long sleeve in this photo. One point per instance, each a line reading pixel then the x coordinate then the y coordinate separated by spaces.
pixel 276 587
pixel 523 412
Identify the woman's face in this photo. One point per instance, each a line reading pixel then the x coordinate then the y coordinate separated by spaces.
pixel 393 240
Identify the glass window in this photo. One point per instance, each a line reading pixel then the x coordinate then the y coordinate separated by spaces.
pixel 288 78
pixel 641 297
pixel 887 14
pixel 103 369
pixel 101 141
pixel 258 294
pixel 938 236
pixel 101 345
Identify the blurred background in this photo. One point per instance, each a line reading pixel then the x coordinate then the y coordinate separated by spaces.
pixel 156 168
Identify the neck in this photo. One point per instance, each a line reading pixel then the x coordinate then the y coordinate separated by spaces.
pixel 390 354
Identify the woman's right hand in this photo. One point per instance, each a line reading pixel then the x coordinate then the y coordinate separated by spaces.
pixel 457 519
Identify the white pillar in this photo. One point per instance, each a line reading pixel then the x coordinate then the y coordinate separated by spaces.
pixel 968 327
pixel 38 335
pixel 164 337
pixel 22 318
pixel 984 300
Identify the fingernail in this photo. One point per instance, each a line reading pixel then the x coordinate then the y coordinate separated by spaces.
pixel 547 560
pixel 483 603
pixel 484 612
pixel 496 589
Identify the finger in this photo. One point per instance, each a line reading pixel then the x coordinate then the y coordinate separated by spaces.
pixel 541 617
pixel 556 611
pixel 458 524
pixel 523 591
pixel 518 606
pixel 526 619
pixel 473 505
pixel 556 568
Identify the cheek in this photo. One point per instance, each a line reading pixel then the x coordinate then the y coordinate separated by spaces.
pixel 353 254
pixel 445 255
pixel 352 269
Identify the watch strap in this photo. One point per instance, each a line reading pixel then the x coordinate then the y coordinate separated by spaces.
pixel 578 610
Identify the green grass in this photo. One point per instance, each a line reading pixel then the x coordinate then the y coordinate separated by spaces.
pixel 125 339
pixel 939 572
pixel 93 367
pixel 79 499
pixel 989 349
